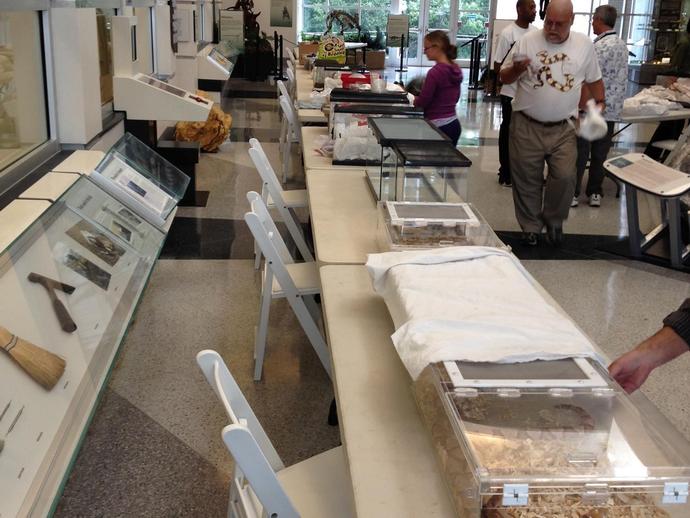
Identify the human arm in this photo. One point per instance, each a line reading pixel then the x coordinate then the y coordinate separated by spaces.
pixel 426 96
pixel 632 369
pixel 511 72
pixel 594 91
pixel 585 95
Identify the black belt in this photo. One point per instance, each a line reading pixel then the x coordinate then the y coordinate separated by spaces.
pixel 545 124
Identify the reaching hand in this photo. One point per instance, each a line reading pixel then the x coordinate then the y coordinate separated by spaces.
pixel 633 368
pixel 521 65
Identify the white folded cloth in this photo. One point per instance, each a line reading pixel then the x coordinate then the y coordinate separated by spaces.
pixel 472 304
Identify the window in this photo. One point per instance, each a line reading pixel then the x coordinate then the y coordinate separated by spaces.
pixel 105 53
pixel 23 110
pixel 634 18
pixel 371 14
pixel 473 16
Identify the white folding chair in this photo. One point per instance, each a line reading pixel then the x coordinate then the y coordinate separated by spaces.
pixel 292 82
pixel 283 201
pixel 283 88
pixel 283 278
pixel 291 135
pixel 261 485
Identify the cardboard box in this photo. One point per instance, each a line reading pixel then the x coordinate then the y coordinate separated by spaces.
pixel 306 48
pixel 376 59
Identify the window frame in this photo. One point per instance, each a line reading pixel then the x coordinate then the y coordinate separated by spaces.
pixel 21 168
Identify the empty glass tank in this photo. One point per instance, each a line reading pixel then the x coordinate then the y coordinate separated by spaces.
pixel 355 144
pixel 555 439
pixel 387 130
pixel 425 171
pixel 408 225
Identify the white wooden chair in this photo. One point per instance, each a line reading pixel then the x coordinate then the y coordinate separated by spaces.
pixel 283 278
pixel 261 485
pixel 291 135
pixel 283 201
pixel 283 88
pixel 292 82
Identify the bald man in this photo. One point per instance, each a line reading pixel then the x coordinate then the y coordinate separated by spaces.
pixel 548 68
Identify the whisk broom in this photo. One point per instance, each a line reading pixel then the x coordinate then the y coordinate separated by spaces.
pixel 44 367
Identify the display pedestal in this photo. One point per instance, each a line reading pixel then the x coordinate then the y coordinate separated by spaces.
pixel 184 155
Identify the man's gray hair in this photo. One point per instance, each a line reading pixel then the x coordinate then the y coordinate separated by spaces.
pixel 607 14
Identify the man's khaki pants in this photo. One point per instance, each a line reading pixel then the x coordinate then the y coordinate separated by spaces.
pixel 532 144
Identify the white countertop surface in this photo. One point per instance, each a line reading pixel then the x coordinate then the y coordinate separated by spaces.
pixel 51 186
pixel 344 216
pixel 668 116
pixel 390 455
pixel 81 161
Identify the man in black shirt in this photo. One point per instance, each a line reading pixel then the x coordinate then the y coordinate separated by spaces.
pixel 632 369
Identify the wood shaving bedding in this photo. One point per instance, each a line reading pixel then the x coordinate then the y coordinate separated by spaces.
pixel 548 453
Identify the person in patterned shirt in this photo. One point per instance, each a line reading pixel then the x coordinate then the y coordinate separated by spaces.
pixel 612 55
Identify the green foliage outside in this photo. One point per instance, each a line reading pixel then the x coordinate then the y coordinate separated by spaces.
pixel 473 15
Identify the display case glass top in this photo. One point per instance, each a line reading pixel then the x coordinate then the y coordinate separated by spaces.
pixel 147 180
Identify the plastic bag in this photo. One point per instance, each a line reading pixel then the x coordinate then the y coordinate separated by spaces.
pixel 592 126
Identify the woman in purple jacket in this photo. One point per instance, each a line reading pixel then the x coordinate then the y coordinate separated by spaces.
pixel 441 89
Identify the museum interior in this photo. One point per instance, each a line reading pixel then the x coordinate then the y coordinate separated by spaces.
pixel 215 184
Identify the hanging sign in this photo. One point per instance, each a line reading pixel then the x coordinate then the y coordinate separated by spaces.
pixel 398 25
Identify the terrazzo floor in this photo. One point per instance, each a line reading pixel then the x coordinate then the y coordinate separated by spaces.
pixel 154 446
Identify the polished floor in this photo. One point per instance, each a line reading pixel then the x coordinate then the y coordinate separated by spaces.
pixel 154 446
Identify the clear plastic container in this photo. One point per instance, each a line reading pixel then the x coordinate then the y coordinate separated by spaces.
pixel 141 179
pixel 410 225
pixel 553 439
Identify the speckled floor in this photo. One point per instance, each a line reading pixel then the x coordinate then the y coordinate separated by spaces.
pixel 154 447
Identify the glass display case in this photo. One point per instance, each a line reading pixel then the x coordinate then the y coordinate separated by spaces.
pixel 70 285
pixel 355 144
pixel 550 438
pixel 218 59
pixel 420 171
pixel 386 130
pixel 406 225
pixel 140 178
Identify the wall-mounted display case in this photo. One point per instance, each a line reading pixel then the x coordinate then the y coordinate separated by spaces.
pixel 141 179
pixel 70 284
pixel 551 438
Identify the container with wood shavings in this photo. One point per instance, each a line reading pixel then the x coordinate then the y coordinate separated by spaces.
pixel 551 439
pixel 412 225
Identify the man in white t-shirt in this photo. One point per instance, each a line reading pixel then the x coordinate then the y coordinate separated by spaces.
pixel 548 68
pixel 526 12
